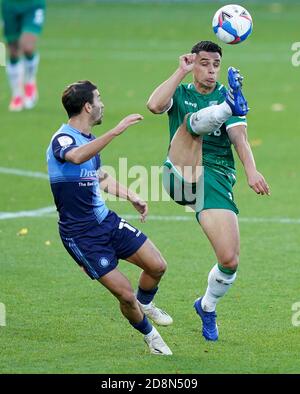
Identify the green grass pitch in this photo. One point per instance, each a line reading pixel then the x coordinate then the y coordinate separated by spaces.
pixel 59 321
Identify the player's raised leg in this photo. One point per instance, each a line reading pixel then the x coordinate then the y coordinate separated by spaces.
pixel 150 260
pixel 120 287
pixel 210 119
pixel 185 153
pixel 221 228
pixel 186 144
pixel 183 172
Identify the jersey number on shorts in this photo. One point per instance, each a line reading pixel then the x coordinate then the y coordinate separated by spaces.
pixel 39 17
pixel 125 224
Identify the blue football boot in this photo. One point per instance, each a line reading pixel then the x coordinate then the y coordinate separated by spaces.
pixel 209 325
pixel 234 96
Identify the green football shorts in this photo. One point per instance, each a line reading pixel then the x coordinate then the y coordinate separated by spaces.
pixel 21 18
pixel 212 191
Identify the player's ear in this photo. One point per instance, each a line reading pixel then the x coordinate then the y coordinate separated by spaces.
pixel 88 107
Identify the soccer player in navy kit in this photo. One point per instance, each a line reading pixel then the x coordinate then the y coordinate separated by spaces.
pixel 93 235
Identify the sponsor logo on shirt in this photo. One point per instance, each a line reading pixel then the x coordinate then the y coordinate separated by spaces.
pixel 194 105
pixel 84 173
pixel 88 177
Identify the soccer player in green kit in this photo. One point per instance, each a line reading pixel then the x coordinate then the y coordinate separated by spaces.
pixel 205 119
pixel 23 22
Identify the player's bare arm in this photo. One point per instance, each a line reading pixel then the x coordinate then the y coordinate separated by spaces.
pixel 238 136
pixel 160 99
pixel 85 152
pixel 112 186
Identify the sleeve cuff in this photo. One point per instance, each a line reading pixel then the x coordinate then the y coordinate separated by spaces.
pixel 65 150
pixel 236 124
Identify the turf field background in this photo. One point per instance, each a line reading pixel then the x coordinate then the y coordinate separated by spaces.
pixel 60 321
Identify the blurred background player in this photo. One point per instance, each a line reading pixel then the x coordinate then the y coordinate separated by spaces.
pixel 93 235
pixel 205 119
pixel 23 22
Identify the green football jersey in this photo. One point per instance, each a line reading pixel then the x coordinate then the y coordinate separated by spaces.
pixel 216 147
pixel 40 3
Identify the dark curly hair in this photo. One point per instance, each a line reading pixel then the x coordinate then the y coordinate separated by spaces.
pixel 76 95
pixel 207 46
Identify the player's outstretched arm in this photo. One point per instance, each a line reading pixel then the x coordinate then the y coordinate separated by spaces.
pixel 238 136
pixel 112 186
pixel 85 152
pixel 160 99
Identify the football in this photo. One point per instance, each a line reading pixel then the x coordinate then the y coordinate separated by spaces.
pixel 232 24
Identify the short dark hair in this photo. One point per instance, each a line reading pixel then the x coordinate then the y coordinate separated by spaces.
pixel 76 95
pixel 207 46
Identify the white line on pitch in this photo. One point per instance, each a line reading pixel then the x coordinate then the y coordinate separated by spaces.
pixel 50 211
pixel 47 211
pixel 30 174
pixel 191 218
pixel 23 214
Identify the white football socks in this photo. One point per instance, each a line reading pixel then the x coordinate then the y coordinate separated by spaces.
pixel 210 119
pixel 30 68
pixel 218 285
pixel 152 332
pixel 146 306
pixel 15 73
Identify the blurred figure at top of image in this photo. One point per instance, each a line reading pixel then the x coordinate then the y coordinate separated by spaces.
pixel 23 22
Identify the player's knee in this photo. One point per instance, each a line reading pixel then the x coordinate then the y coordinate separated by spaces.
pixel 28 51
pixel 28 46
pixel 159 266
pixel 128 298
pixel 230 261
